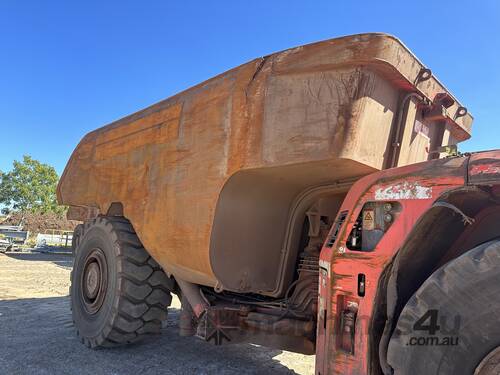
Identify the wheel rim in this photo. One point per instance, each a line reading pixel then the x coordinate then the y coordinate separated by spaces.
pixel 94 281
pixel 490 365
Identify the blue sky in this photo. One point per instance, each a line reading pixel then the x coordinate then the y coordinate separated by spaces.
pixel 68 67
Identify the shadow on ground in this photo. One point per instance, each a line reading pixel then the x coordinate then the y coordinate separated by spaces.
pixel 61 260
pixel 37 337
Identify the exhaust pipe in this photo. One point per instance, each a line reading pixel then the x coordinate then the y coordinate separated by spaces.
pixel 193 294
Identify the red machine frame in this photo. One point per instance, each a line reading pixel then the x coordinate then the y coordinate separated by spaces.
pixel 416 188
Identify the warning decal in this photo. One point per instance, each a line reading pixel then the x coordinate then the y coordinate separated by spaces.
pixel 368 220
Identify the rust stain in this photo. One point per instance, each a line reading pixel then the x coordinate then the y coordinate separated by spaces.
pixel 168 163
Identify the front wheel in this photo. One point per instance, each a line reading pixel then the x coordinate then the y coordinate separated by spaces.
pixel 119 294
pixel 450 325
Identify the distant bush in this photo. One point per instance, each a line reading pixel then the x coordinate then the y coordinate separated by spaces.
pixel 40 222
pixel 29 187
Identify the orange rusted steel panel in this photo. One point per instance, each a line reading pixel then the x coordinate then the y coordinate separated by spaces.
pixel 329 107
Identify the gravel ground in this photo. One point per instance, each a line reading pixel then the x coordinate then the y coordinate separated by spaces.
pixel 37 336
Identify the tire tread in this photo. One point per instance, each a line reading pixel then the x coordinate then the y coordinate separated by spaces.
pixel 143 288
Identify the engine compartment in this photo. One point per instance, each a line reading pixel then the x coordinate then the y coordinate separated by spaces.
pixel 286 320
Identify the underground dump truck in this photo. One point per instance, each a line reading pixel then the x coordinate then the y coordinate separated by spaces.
pixel 311 200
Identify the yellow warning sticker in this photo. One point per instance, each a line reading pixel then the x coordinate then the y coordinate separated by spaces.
pixel 368 220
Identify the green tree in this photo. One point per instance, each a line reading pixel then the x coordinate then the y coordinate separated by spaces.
pixel 29 186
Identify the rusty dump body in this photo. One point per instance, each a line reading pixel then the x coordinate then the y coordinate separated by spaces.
pixel 218 180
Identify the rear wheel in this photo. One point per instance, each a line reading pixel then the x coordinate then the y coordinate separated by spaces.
pixel 119 294
pixel 450 325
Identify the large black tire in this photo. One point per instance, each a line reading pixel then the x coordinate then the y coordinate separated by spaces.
pixel 119 294
pixel 467 287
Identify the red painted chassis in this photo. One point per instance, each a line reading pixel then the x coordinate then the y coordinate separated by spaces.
pixel 416 188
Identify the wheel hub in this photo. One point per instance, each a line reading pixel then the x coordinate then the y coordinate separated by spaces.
pixel 94 281
pixel 490 365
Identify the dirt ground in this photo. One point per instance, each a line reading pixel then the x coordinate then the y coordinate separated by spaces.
pixel 37 336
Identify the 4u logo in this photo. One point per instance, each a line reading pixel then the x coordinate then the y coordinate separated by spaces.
pixel 432 323
pixel 438 328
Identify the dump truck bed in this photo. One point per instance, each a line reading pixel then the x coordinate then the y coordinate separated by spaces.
pixel 210 177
